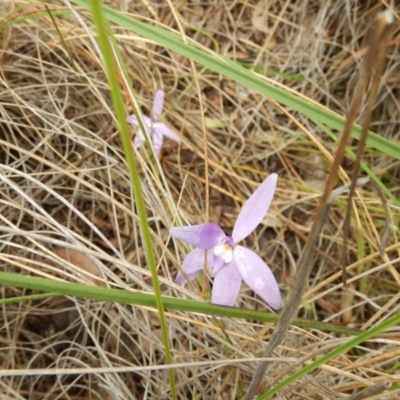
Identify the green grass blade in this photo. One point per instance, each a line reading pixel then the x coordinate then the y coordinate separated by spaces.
pixel 103 38
pixel 30 297
pixel 58 288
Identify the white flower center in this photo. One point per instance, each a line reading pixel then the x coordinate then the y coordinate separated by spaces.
pixel 225 252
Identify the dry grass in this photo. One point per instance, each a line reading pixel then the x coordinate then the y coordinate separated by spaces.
pixel 67 209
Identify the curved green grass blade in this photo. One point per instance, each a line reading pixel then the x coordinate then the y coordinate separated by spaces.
pixel 30 297
pixel 103 31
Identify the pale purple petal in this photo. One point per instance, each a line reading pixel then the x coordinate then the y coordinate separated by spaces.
pixel 203 236
pixel 133 120
pixel 258 276
pixel 226 285
pixel 158 141
pixel 165 131
pixel 158 104
pixel 217 265
pixel 193 264
pixel 255 208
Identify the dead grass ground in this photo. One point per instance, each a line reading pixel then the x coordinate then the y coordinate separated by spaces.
pixel 67 209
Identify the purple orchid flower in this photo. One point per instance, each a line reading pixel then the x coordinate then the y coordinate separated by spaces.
pixel 230 263
pixel 156 129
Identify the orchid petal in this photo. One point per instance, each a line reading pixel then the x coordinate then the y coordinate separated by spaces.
pixel 163 129
pixel 258 276
pixel 131 119
pixel 134 121
pixel 158 104
pixel 226 285
pixel 255 208
pixel 203 236
pixel 193 264
pixel 218 263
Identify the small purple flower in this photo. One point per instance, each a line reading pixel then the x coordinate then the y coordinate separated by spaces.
pixel 230 263
pixel 157 130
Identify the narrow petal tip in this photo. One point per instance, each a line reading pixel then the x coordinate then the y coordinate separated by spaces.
pixel 255 208
pixel 158 104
